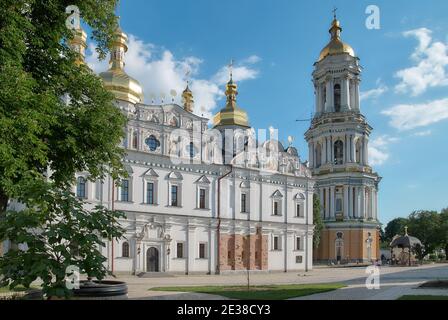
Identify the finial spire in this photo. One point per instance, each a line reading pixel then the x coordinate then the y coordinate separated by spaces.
pixel 334 12
pixel 231 69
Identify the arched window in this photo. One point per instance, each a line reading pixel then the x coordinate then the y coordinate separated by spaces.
pixel 337 97
pixel 135 140
pixel 152 143
pixel 338 152
pixel 318 155
pixel 192 150
pixel 125 250
pixel 81 188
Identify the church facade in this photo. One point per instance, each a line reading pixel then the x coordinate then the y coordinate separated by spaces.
pixel 338 140
pixel 199 199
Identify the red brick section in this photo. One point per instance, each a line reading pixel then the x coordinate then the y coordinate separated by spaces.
pixel 239 252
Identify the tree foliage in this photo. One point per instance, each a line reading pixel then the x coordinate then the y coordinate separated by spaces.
pixel 425 225
pixel 57 232
pixel 318 222
pixel 395 227
pixel 39 130
pixel 45 140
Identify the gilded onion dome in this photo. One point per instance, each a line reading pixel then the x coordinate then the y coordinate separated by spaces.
pixel 336 46
pixel 187 99
pixel 231 115
pixel 116 80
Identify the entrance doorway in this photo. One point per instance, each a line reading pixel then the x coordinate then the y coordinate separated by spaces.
pixel 152 260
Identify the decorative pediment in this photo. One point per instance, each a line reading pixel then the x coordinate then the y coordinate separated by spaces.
pixel 299 196
pixel 150 173
pixel 277 194
pixel 245 185
pixel 203 180
pixel 175 176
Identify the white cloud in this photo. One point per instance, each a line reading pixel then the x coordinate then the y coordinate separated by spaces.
pixel 378 149
pixel 423 133
pixel 410 116
pixel 159 72
pixel 374 93
pixel 431 62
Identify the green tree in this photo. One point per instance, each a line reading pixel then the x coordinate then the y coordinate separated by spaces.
pixel 444 231
pixel 318 222
pixel 39 130
pixel 58 234
pixel 425 225
pixel 45 141
pixel 394 227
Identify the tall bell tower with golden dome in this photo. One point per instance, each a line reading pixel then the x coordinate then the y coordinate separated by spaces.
pixel 338 140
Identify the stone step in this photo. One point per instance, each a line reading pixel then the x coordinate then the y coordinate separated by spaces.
pixel 155 275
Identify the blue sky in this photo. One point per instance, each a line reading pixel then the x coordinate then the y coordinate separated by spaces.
pixel 275 43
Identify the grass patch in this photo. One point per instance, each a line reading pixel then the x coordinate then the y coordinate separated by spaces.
pixel 271 292
pixel 410 297
pixel 16 289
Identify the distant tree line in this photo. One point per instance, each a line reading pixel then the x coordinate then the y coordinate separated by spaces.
pixel 431 227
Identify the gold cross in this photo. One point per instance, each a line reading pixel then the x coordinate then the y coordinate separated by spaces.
pixel 334 12
pixel 231 69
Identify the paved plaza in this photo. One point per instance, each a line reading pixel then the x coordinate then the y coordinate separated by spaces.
pixel 394 283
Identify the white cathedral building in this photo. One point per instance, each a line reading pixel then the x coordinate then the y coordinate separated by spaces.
pixel 191 207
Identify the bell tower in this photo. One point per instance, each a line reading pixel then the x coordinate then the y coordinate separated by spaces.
pixel 338 140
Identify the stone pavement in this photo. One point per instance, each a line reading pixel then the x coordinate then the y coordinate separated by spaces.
pixel 395 282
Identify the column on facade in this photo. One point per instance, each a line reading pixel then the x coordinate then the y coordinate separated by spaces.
pixel 346 93
pixel 332 202
pixel 346 149
pixel 366 151
pixel 324 151
pixel 356 98
pixel 331 143
pixel 372 203
pixel 329 98
pixel 318 98
pixel 321 197
pixel 311 154
pixel 352 149
pixel 346 202
pixel 362 206
pixel 191 244
pixel 213 249
pixel 376 205
pixel 327 203
pixel 356 203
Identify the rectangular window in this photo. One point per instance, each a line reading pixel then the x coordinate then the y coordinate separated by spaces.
pixel 124 196
pixel 298 243
pixel 299 259
pixel 174 192
pixel 202 198
pixel 276 244
pixel 298 213
pixel 275 208
pixel 243 202
pixel 180 250
pixel 150 193
pixel 202 254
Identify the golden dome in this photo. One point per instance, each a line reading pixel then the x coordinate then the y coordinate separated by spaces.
pixel 116 80
pixel 336 46
pixel 231 115
pixel 188 100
